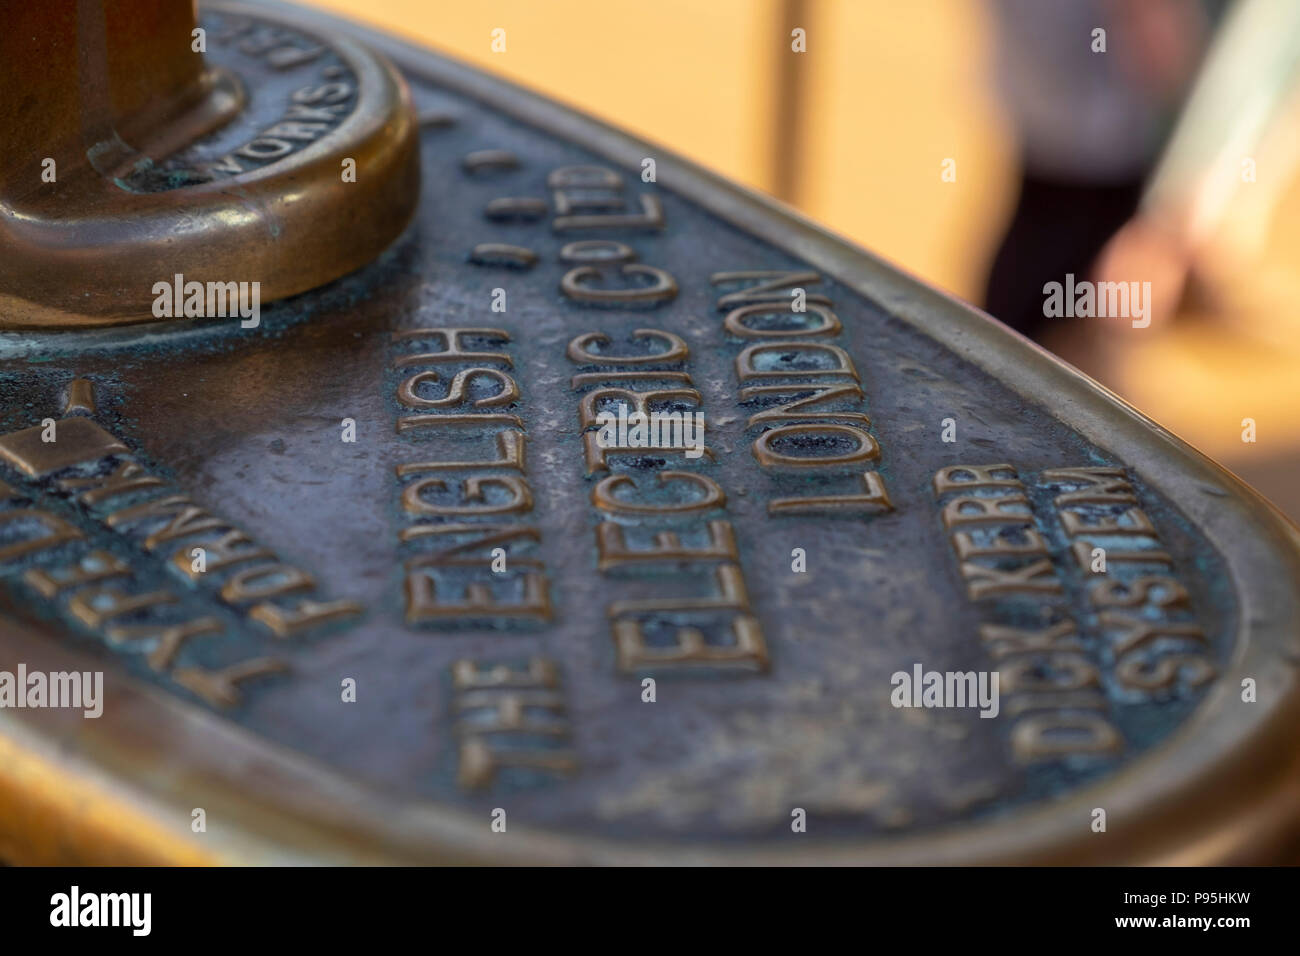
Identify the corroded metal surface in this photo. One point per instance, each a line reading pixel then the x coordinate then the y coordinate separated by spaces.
pixel 522 690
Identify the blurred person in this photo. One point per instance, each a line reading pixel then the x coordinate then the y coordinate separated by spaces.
pixel 1092 87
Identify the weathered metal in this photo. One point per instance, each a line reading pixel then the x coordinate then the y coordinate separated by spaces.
pixel 131 157
pixel 516 690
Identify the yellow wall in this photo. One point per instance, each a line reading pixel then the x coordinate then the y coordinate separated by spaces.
pixel 888 91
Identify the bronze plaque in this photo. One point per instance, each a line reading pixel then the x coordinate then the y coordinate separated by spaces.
pixel 402 574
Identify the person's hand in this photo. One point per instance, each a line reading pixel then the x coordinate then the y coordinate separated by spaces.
pixel 1145 251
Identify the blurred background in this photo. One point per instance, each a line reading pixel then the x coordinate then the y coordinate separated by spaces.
pixel 987 146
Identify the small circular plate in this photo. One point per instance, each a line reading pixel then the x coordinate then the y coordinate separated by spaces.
pixel 316 175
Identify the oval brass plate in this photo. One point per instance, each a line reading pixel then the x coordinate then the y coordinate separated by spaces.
pixel 364 588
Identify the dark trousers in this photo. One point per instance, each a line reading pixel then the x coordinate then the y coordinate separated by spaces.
pixel 1058 227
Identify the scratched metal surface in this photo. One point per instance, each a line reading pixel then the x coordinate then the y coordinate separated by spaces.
pixel 247 422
